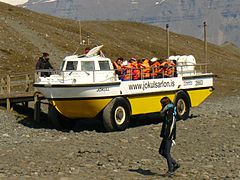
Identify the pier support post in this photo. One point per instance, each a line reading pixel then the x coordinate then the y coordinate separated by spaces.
pixel 8 104
pixel 37 108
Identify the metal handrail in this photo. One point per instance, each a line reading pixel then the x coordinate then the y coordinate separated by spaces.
pixel 184 70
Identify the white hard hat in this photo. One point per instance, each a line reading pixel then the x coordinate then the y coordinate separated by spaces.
pixel 154 59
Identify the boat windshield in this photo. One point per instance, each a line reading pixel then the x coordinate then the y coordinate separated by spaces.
pixel 87 66
pixel 104 65
pixel 71 65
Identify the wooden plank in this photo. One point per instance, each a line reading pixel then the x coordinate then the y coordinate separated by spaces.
pixel 21 82
pixel 3 84
pixel 17 95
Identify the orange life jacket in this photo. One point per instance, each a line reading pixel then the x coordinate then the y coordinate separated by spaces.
pixel 169 68
pixel 135 71
pixel 145 72
pixel 156 69
pixel 126 76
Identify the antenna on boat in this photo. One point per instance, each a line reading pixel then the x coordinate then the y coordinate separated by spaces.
pixel 80 32
pixel 80 36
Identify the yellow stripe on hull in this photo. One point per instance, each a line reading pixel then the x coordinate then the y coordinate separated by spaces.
pixel 140 104
pixel 151 103
pixel 80 108
pixel 198 96
pixel 148 103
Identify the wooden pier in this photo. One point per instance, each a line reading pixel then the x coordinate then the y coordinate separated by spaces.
pixel 18 88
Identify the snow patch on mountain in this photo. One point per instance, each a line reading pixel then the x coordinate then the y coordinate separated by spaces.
pixel 42 1
pixel 14 2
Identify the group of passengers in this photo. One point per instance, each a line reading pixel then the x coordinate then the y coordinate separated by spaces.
pixel 144 68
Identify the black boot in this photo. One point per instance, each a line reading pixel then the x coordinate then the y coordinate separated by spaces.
pixel 169 174
pixel 175 167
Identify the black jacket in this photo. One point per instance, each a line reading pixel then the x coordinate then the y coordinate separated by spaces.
pixel 168 113
pixel 44 64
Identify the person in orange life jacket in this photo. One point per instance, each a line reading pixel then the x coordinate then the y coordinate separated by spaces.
pixel 118 66
pixel 171 68
pixel 168 67
pixel 146 69
pixel 135 69
pixel 126 71
pixel 165 66
pixel 155 67
pixel 140 67
pixel 168 133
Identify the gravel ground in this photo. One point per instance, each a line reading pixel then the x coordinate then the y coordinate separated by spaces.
pixel 208 144
pixel 208 147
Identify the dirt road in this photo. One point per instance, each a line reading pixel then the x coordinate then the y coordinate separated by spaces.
pixel 208 147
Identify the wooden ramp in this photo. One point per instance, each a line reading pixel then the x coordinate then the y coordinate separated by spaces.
pixel 18 88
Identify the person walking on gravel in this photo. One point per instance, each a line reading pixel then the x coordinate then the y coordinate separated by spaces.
pixel 168 133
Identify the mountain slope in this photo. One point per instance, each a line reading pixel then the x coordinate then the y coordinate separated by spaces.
pixel 25 35
pixel 184 17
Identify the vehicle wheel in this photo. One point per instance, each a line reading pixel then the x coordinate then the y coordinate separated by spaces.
pixel 116 115
pixel 182 103
pixel 58 120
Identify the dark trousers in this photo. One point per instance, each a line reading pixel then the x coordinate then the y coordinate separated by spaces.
pixel 164 150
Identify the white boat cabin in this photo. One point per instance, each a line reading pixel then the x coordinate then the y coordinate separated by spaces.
pixel 84 69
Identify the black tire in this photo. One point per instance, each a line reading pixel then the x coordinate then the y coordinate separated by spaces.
pixel 182 103
pixel 116 115
pixel 58 120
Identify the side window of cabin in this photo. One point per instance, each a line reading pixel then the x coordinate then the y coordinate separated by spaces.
pixel 104 65
pixel 71 65
pixel 87 66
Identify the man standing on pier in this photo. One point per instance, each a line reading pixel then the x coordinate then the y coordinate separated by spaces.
pixel 44 65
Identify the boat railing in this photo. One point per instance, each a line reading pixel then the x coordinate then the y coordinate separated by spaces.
pixel 66 76
pixel 160 72
pixel 194 69
pixel 126 74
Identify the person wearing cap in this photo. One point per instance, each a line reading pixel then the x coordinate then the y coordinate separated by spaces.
pixel 44 65
pixel 156 69
pixel 168 133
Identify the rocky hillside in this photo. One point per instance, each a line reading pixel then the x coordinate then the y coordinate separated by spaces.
pixel 207 144
pixel 184 17
pixel 25 35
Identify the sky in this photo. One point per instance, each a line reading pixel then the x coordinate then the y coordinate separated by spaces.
pixel 14 2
